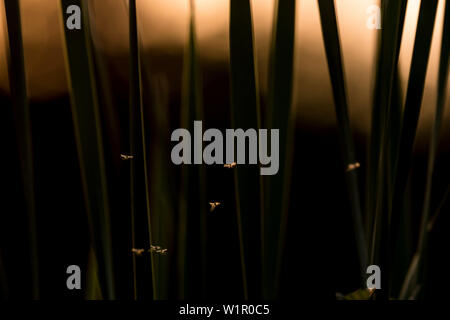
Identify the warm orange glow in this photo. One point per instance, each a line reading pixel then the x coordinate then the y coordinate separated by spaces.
pixel 3 38
pixel 163 24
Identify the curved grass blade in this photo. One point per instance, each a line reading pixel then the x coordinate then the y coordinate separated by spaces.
pixel 88 133
pixel 384 120
pixel 336 69
pixel 279 117
pixel 417 266
pixel 404 244
pixel 416 85
pixel 18 86
pixel 414 95
pixel 246 114
pixel 440 105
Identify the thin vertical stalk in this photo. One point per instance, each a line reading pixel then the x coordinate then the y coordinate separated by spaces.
pixel 241 237
pixel 192 254
pixel 18 86
pixel 336 69
pixel 382 115
pixel 279 117
pixel 417 265
pixel 88 134
pixel 414 95
pixel 136 103
pixel 434 141
pixel 134 93
pixel 161 176
pixel 245 114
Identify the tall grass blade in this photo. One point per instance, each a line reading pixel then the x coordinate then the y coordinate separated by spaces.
pixel 414 95
pixel 246 114
pixel 106 95
pixel 279 117
pixel 434 141
pixel 440 105
pixel 134 134
pixel 162 197
pixel 93 290
pixel 136 103
pixel 192 244
pixel 336 69
pixel 384 112
pixel 394 125
pixel 18 86
pixel 404 244
pixel 88 133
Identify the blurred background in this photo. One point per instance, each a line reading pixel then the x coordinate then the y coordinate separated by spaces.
pixel 320 257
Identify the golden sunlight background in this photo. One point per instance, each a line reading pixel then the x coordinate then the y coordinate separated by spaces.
pixel 163 28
